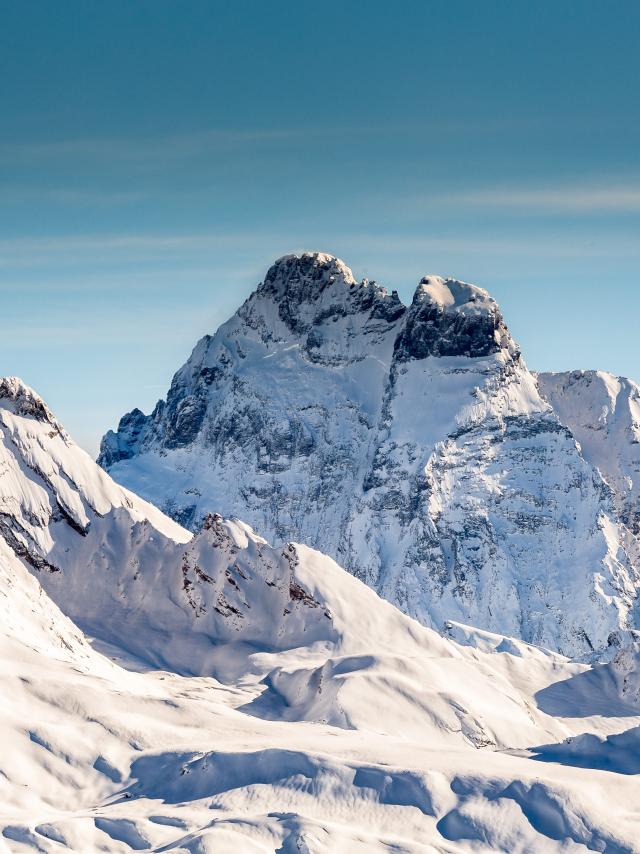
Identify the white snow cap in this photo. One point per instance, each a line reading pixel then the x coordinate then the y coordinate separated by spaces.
pixel 13 388
pixel 453 295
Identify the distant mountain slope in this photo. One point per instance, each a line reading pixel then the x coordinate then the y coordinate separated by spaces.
pixel 603 413
pixel 409 443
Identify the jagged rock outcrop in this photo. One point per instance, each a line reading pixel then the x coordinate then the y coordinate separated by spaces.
pixel 410 443
pixel 451 318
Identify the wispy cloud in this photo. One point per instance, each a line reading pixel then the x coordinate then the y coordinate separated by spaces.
pixel 523 245
pixel 135 148
pixel 102 197
pixel 146 259
pixel 31 251
pixel 40 332
pixel 570 199
pixel 201 141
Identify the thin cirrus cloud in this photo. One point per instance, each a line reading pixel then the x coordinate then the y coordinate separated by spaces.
pixel 552 199
pixel 63 251
pixel 73 197
pixel 199 252
pixel 162 148
pixel 31 252
pixel 202 141
pixel 122 148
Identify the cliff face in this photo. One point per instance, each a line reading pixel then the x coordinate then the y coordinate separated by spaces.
pixel 409 443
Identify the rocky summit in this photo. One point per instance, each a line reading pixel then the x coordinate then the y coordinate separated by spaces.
pixel 410 443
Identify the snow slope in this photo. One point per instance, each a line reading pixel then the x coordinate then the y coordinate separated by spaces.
pixel 297 711
pixel 125 571
pixel 119 761
pixel 409 443
pixel 603 413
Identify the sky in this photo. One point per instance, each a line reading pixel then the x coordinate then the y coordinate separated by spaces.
pixel 156 157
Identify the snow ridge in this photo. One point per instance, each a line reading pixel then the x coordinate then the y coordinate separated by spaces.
pixel 23 400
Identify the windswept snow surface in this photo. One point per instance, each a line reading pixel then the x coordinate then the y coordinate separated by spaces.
pixel 410 443
pixel 237 697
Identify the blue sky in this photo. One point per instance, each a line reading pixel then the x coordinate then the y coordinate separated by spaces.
pixel 155 157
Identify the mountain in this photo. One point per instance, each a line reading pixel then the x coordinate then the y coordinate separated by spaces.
pixel 125 572
pixel 293 711
pixel 410 443
pixel 603 413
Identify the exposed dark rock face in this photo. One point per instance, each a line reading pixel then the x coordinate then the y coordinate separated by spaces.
pixel 433 329
pixel 123 444
pixel 297 280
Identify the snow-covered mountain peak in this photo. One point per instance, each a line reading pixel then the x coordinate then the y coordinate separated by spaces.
pixel 454 295
pixel 19 398
pixel 289 271
pixel 51 491
pixel 309 279
pixel 316 290
pixel 452 318
pixel 411 444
